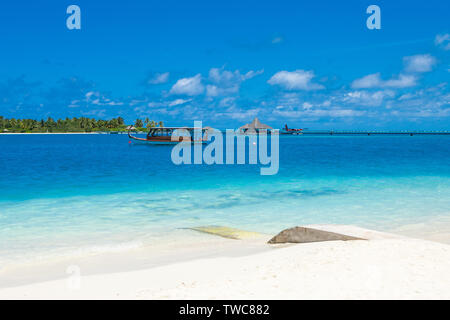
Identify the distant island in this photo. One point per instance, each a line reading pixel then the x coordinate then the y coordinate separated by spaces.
pixel 73 125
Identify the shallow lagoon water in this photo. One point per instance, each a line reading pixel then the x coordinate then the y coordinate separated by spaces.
pixel 68 195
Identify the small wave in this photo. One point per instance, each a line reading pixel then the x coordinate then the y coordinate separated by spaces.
pixel 110 248
pixel 68 253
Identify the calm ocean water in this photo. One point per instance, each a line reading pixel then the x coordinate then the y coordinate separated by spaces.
pixel 69 194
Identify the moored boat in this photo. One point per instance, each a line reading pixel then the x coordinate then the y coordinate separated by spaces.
pixel 165 135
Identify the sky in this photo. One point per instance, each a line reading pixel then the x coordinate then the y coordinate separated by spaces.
pixel 310 64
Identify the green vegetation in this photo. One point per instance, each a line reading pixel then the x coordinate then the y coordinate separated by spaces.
pixel 72 125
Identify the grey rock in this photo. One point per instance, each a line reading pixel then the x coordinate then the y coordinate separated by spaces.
pixel 304 235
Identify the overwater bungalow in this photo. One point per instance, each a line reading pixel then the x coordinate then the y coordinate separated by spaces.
pixel 254 127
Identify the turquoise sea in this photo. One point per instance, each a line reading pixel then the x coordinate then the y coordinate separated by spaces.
pixel 64 195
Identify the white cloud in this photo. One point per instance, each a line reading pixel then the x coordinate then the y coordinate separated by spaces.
pixel 319 113
pixel 403 81
pixel 188 86
pixel 406 96
pixel 153 104
pixel 443 41
pixel 419 63
pixel 431 101
pixel 226 82
pixel 74 104
pixel 159 78
pixel 97 112
pixel 413 64
pixel 307 105
pixel 243 115
pixel 213 91
pixel 135 101
pixel 227 102
pixel 295 80
pixel 366 98
pixel 90 94
pixel 177 102
pixel 96 98
pixel 369 81
pixel 277 40
pixel 224 77
pixel 375 81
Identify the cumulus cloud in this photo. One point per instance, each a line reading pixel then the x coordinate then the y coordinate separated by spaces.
pixel 188 86
pixel 295 80
pixel 419 63
pixel 212 90
pixel 227 82
pixel 319 113
pixel 366 98
pixel 413 64
pixel 443 41
pixel 375 81
pixel 427 102
pixel 369 81
pixel 224 77
pixel 403 81
pixel 159 78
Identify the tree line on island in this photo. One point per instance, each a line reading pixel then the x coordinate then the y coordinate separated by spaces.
pixel 81 124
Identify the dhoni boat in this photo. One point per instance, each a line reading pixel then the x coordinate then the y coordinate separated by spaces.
pixel 164 135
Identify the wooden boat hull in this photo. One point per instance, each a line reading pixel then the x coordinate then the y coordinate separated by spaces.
pixel 165 135
pixel 164 140
pixel 151 142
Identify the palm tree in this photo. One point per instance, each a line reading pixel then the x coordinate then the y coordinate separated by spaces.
pixel 138 123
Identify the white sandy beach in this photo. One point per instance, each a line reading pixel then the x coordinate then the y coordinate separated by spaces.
pixel 384 267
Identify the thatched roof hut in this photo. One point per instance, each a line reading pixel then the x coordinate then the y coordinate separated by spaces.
pixel 255 126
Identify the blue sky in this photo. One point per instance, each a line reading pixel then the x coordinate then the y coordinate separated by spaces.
pixel 310 64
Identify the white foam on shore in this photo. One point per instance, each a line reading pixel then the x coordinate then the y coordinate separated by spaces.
pixel 436 229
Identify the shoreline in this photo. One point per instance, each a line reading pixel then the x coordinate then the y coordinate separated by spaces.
pixel 399 267
pixel 188 241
